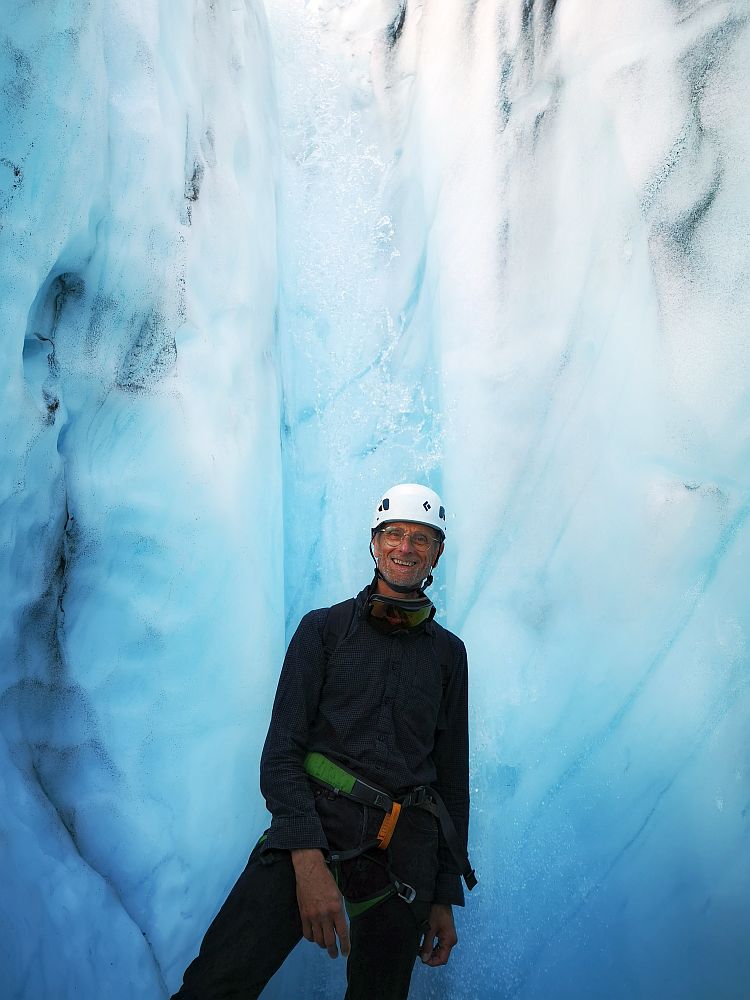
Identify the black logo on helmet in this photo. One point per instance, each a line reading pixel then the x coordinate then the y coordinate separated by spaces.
pixel 426 505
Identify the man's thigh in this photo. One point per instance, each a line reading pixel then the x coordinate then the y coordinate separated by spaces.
pixel 251 935
pixel 385 940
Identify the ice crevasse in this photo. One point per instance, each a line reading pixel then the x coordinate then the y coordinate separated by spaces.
pixel 260 261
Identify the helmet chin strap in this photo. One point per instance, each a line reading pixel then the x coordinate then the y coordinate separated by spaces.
pixel 398 587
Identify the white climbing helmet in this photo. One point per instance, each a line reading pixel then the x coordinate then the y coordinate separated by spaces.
pixel 410 502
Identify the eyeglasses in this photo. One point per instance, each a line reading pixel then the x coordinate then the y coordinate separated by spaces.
pixel 401 613
pixel 419 539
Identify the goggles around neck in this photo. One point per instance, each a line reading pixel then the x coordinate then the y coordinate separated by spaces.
pixel 400 613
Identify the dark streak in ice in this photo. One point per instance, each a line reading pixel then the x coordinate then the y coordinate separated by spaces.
pixel 17 89
pixel 102 307
pixel 547 13
pixel 471 9
pixel 699 60
pixel 15 180
pixel 192 191
pixel 193 183
pixel 683 228
pixel 51 301
pixel 208 145
pixel 537 126
pixel 394 29
pixel 504 103
pixel 527 14
pixel 544 14
pixel 195 169
pixel 40 363
pixel 49 723
pixel 37 628
pixel 697 64
pixel 151 357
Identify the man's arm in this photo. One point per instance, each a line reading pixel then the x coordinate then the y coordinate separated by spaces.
pixel 320 904
pixel 295 824
pixel 283 781
pixel 451 758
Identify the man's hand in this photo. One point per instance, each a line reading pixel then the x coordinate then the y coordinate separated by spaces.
pixel 320 904
pixel 440 937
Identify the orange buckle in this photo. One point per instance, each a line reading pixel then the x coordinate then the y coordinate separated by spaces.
pixel 388 826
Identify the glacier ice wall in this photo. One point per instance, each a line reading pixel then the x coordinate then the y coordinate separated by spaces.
pixel 507 245
pixel 140 425
pixel 514 259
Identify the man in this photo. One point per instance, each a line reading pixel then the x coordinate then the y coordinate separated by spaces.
pixel 365 774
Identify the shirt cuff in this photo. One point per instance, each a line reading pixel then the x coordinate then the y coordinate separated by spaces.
pixel 448 889
pixel 296 833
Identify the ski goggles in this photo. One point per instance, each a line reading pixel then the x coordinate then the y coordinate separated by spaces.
pixel 401 613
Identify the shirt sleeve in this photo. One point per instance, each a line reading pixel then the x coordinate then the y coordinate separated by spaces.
pixel 451 759
pixel 283 781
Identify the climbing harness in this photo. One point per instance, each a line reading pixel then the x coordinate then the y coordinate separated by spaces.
pixel 341 781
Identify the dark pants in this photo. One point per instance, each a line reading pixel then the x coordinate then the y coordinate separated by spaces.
pixel 259 923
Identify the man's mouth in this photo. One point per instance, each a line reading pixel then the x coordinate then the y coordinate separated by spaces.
pixel 404 563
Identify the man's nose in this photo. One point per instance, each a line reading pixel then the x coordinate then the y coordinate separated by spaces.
pixel 406 545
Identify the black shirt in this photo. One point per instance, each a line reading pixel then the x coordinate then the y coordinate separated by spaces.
pixel 379 706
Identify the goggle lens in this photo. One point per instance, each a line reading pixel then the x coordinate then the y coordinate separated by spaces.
pixel 401 614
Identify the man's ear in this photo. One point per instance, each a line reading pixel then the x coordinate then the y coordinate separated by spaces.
pixel 437 557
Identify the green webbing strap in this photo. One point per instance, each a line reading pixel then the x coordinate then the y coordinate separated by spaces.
pixel 327 773
pixel 357 909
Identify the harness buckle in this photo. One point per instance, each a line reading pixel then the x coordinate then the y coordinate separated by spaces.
pixel 405 892
pixel 420 795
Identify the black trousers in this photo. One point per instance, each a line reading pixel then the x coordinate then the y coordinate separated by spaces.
pixel 259 923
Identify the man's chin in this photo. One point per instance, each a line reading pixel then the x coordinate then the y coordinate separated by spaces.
pixel 394 581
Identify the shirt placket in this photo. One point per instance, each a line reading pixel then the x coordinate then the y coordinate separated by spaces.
pixel 394 665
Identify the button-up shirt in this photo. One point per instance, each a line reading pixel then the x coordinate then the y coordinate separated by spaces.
pixel 384 707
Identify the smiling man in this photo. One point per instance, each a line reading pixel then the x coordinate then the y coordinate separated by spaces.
pixel 365 774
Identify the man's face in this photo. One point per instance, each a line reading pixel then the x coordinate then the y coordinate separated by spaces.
pixel 406 561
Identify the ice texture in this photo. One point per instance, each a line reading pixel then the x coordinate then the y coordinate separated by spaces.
pixel 141 482
pixel 259 262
